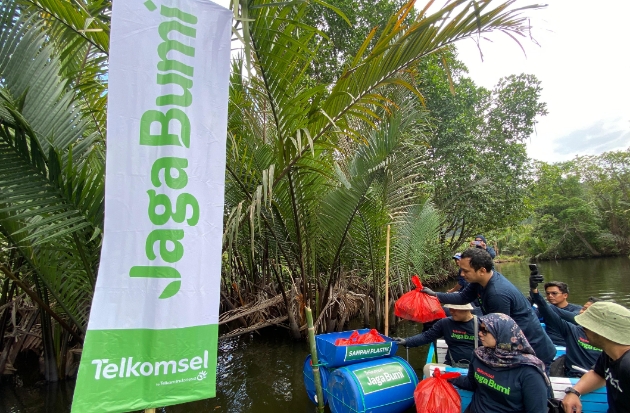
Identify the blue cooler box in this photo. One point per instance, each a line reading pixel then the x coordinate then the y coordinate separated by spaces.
pixel 385 385
pixel 336 356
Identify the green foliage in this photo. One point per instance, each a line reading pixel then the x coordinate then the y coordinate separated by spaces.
pixel 477 161
pixel 324 149
pixel 51 193
pixel 341 40
pixel 579 208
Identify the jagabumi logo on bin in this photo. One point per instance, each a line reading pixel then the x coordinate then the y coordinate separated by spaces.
pixel 128 367
pixel 170 72
pixel 382 377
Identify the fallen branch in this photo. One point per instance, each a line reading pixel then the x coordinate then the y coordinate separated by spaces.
pixel 240 331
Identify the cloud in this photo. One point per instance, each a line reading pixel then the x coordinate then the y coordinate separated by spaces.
pixel 599 137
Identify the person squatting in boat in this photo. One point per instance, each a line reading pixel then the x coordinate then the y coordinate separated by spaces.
pixel 504 375
pixel 458 331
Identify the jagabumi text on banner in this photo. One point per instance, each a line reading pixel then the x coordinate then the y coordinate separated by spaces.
pixel 152 334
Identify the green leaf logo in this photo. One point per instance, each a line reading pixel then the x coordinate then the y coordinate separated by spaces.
pixel 171 289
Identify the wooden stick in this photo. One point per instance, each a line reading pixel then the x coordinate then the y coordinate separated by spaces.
pixel 316 374
pixel 149 410
pixel 387 283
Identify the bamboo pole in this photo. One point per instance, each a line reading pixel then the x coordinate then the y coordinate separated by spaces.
pixel 387 284
pixel 314 360
pixel 149 410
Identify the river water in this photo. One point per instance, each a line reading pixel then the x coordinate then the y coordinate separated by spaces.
pixel 262 373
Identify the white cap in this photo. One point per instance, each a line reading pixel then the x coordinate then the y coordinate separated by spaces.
pixel 459 306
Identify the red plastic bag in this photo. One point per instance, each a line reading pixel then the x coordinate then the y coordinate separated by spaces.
pixel 371 336
pixel 348 341
pixel 418 306
pixel 436 395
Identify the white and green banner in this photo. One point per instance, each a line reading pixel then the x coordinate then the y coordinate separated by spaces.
pixel 152 335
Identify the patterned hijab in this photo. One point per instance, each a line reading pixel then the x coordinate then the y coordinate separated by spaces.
pixel 512 348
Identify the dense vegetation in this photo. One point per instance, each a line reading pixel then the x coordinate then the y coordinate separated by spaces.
pixel 333 134
pixel 579 208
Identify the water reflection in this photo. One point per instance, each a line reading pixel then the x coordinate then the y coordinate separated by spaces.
pixel 606 278
pixel 263 373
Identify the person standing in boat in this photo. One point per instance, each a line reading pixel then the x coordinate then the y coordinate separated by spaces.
pixel 607 326
pixel 581 353
pixel 505 376
pixel 458 331
pixel 496 294
pixel 557 294
pixel 461 284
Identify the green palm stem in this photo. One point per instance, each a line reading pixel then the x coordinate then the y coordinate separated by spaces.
pixel 314 360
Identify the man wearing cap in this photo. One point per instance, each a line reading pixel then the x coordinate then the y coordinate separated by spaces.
pixel 607 326
pixel 497 294
pixel 480 242
pixel 461 283
pixel 458 331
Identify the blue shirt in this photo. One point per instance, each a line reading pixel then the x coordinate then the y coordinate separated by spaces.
pixel 579 350
pixel 459 336
pixel 521 389
pixel 501 296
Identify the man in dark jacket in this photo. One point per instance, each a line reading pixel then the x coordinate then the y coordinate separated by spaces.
pixel 557 294
pixel 496 294
pixel 580 352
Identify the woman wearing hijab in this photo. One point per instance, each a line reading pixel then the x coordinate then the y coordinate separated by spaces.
pixel 505 375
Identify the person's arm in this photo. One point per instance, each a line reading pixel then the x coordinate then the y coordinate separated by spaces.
pixel 552 319
pixel 590 381
pixel 491 251
pixel 426 337
pixel 466 382
pixel 468 294
pixel 534 390
pixel 568 316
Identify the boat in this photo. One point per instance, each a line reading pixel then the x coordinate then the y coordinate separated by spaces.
pixel 594 402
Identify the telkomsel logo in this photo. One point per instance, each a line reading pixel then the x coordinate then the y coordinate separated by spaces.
pixel 127 368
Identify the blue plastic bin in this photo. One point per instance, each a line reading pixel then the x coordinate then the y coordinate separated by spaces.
pixel 385 385
pixel 336 356
pixel 309 380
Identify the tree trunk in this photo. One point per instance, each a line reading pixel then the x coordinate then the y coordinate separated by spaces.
pixel 377 309
pixel 295 329
pixel 586 244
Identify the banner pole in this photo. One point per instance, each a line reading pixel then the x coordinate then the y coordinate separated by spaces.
pixel 387 284
pixel 315 360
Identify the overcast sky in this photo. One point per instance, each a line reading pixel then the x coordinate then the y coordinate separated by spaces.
pixel 582 61
pixel 583 64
